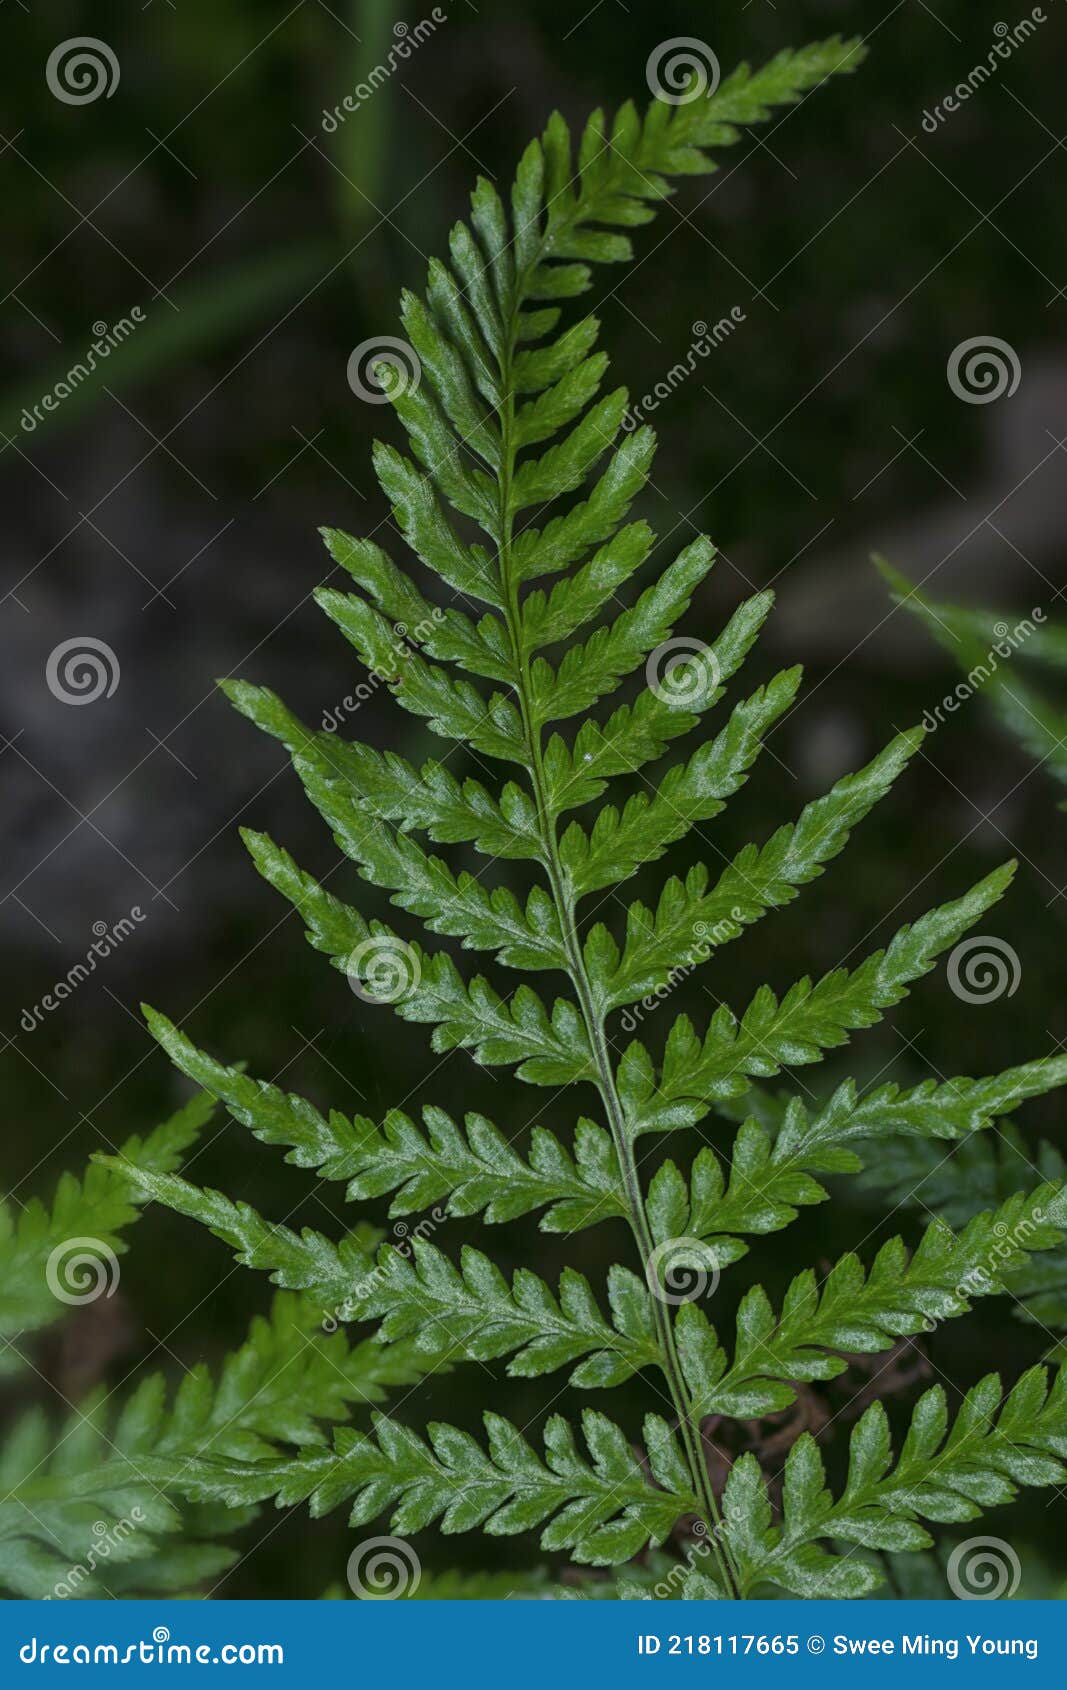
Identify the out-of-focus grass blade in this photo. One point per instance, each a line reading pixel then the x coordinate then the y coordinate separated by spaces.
pixel 997 652
pixel 206 315
pixel 359 146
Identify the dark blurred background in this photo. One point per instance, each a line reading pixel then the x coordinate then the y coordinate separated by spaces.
pixel 168 508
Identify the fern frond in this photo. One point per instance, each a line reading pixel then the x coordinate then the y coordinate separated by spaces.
pixel 450 811
pixel 696 791
pixel 809 1019
pixel 477 1170
pixel 975 1175
pixel 93 1211
pixel 771 1168
pixel 997 652
pixel 95 1506
pixel 944 1473
pixel 465 1014
pixel 603 1507
pixel 480 1316
pixel 691 919
pixel 858 1312
pixel 328 1273
pixel 515 489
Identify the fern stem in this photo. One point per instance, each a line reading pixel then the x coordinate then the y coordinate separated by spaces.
pixel 594 1024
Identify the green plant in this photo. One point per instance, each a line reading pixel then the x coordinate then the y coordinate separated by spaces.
pixel 998 653
pixel 55 1256
pixel 502 379
pixel 96 1504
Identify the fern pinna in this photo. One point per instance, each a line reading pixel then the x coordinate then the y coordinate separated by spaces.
pixel 509 437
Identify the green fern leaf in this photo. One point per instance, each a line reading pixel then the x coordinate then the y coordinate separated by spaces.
pixel 46 1252
pixel 515 491
pixel 943 1473
pixel 97 1508
pixel 602 1508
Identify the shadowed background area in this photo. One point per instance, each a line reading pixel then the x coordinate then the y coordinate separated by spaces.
pixel 231 232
